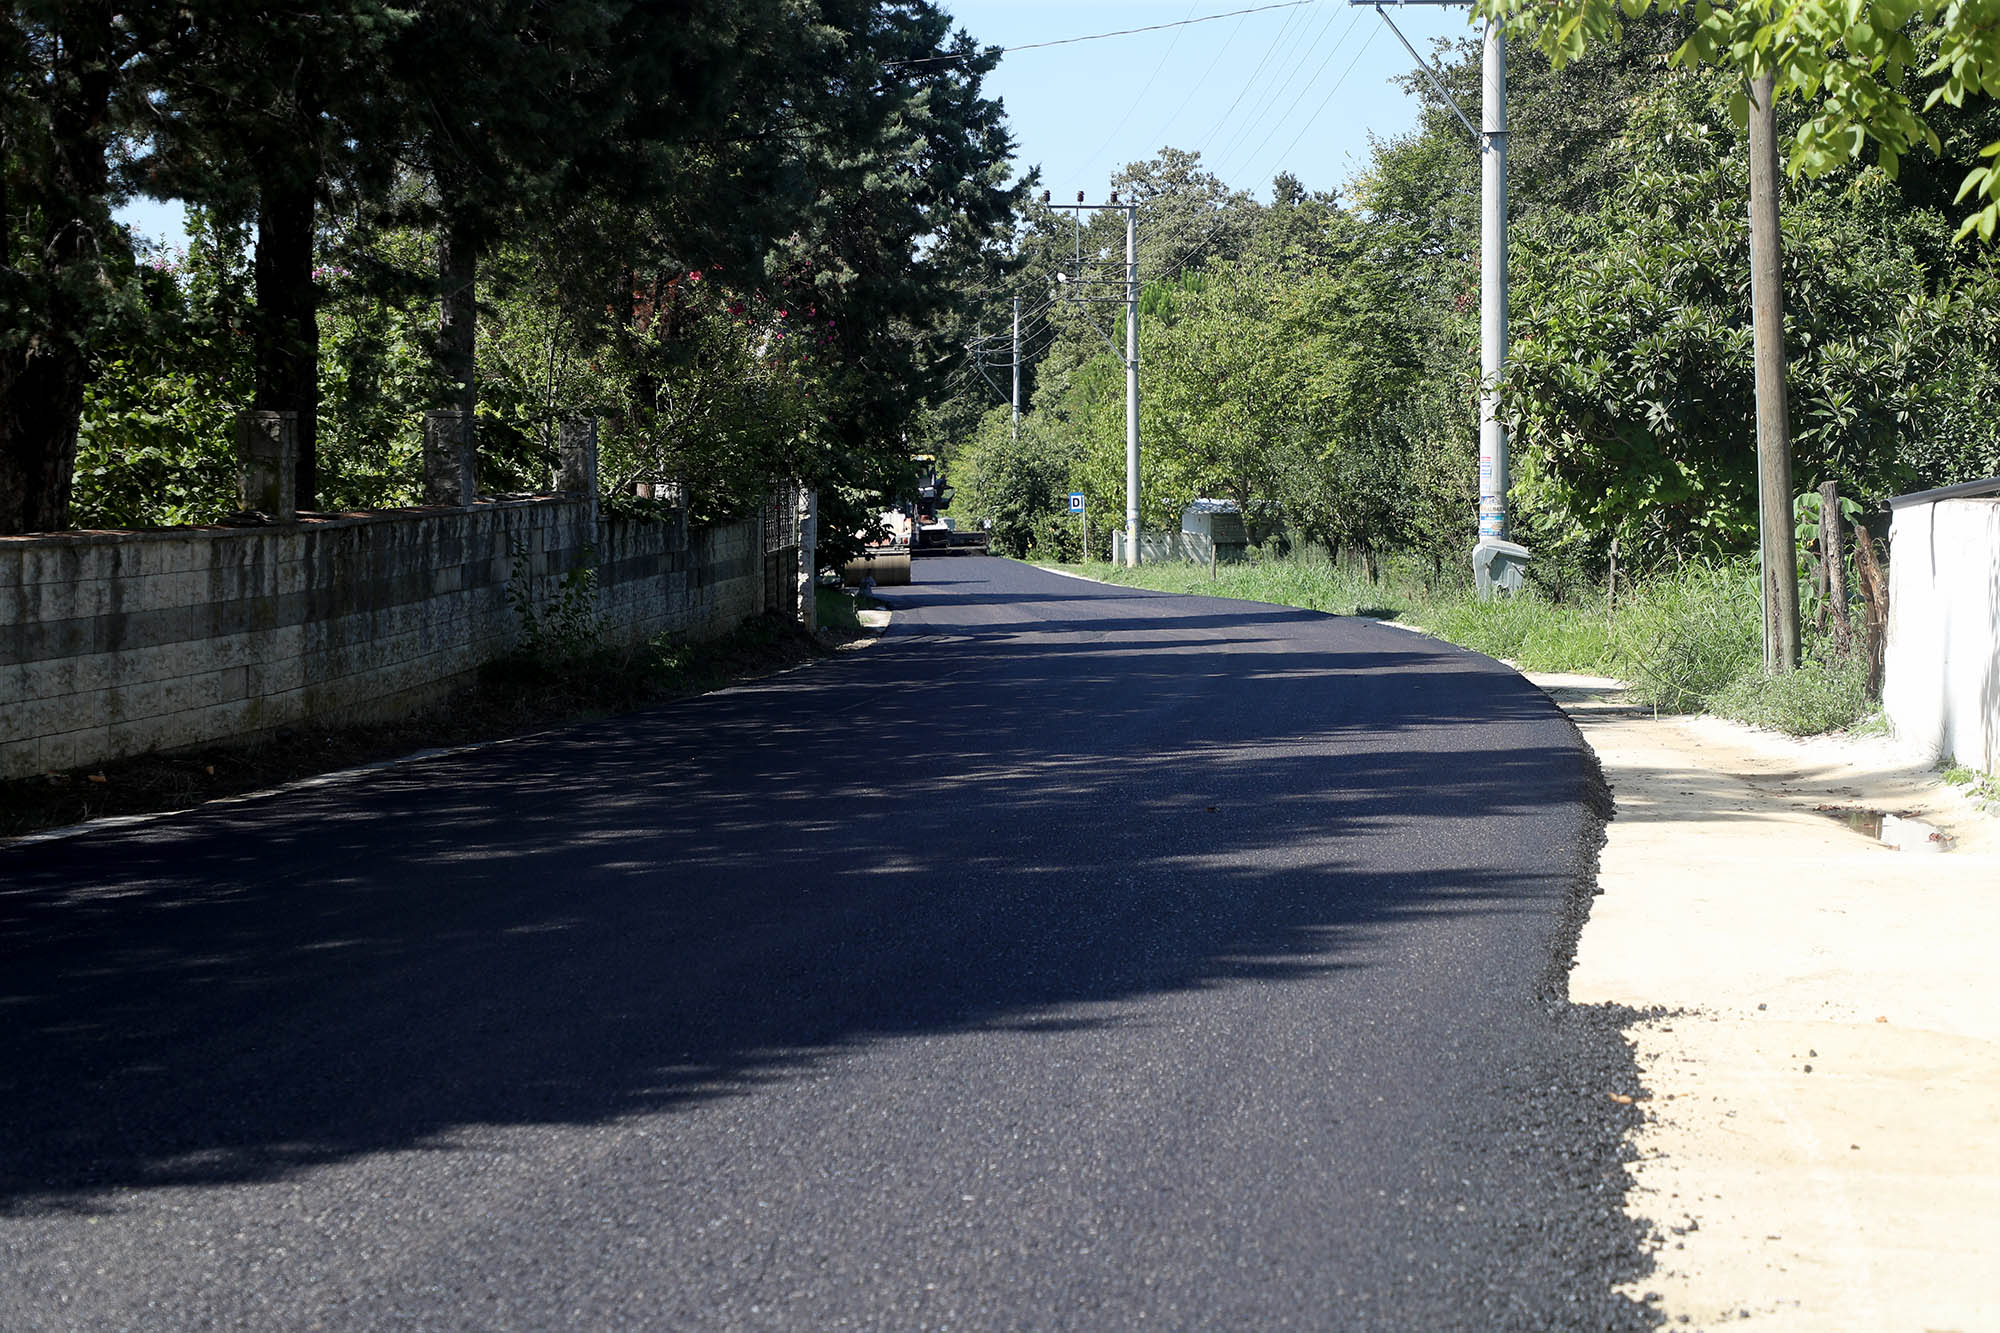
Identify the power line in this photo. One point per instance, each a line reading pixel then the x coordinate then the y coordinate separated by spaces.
pixel 1096 36
pixel 1202 82
pixel 1280 82
pixel 1366 42
pixel 1276 42
pixel 1132 104
pixel 1174 267
pixel 1305 88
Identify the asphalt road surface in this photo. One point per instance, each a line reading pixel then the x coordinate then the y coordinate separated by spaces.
pixel 1074 957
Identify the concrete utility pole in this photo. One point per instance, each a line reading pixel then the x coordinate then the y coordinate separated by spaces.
pixel 1778 556
pixel 1017 367
pixel 1131 386
pixel 1076 289
pixel 1492 285
pixel 1497 563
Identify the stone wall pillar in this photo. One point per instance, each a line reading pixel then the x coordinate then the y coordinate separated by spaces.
pixel 267 463
pixel 576 464
pixel 809 557
pixel 451 462
pixel 576 456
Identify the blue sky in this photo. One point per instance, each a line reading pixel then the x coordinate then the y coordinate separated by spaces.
pixel 1298 88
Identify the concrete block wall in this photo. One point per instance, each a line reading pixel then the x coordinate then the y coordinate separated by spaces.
pixel 725 576
pixel 121 643
pixel 642 578
pixel 1941 666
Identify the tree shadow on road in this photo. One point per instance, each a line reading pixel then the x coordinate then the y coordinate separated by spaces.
pixel 1013 830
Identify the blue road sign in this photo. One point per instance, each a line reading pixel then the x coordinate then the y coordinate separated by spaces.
pixel 1076 502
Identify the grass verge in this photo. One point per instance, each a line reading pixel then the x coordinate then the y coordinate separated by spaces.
pixel 1981 787
pixel 512 697
pixel 839 610
pixel 1688 642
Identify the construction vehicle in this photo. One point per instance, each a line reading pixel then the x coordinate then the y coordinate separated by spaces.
pixel 913 528
pixel 934 533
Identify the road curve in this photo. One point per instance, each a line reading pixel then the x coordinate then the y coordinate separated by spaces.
pixel 1074 957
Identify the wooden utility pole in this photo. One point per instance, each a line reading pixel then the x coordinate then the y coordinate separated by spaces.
pixel 1774 427
pixel 1833 557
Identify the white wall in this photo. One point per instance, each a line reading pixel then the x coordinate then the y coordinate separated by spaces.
pixel 1941 672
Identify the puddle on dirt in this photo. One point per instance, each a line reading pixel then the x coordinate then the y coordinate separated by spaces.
pixel 1898 831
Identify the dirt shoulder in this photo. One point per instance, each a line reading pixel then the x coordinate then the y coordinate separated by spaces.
pixel 1822 1139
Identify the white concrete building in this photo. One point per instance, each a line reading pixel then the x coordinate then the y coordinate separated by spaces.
pixel 1941 669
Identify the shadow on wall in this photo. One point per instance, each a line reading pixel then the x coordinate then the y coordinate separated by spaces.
pixel 684 904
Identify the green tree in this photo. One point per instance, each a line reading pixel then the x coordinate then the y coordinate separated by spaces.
pixel 1847 63
pixel 156 437
pixel 1187 215
pixel 67 282
pixel 272 115
pixel 1633 375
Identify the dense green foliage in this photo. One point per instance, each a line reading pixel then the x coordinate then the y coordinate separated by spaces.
pixel 1314 359
pixel 1633 373
pixel 1886 71
pixel 732 230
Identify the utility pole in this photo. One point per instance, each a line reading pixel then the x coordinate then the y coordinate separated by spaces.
pixel 1131 385
pixel 1077 290
pixel 1777 555
pixel 975 352
pixel 1497 563
pixel 1017 367
pixel 1492 284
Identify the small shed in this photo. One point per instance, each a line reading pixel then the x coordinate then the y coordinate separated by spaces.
pixel 1213 527
pixel 1941 665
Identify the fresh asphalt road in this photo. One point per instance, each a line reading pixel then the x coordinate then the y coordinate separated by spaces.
pixel 1074 957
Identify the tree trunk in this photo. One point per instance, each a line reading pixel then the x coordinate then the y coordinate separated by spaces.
pixel 287 324
pixel 1875 605
pixel 42 380
pixel 1833 557
pixel 1774 426
pixel 41 402
pixel 458 278
pixel 1611 585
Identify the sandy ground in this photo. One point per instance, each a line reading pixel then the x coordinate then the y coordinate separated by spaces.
pixel 1822 1143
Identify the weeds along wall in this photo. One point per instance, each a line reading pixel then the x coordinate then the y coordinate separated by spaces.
pixel 121 643
pixel 1941 668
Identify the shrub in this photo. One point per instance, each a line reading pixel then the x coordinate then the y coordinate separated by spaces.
pixel 1820 696
pixel 1683 639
